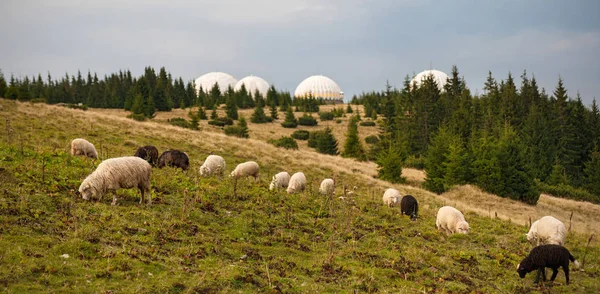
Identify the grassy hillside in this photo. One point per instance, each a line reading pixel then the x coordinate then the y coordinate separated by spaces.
pixel 199 237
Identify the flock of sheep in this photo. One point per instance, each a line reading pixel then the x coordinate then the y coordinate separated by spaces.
pixel 548 234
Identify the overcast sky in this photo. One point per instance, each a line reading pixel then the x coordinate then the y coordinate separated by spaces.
pixel 359 44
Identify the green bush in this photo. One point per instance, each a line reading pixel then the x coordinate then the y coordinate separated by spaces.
pixel 179 122
pixel 339 121
pixel 289 125
pixel 326 116
pixel 373 139
pixel 367 123
pixel 301 135
pixel 221 121
pixel 138 116
pixel 415 162
pixel 567 191
pixel 285 142
pixel 307 120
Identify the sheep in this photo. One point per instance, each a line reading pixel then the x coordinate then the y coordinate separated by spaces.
pixel 174 158
pixel 280 180
pixel 451 221
pixel 83 147
pixel 246 169
pixel 391 197
pixel 213 165
pixel 547 230
pixel 327 187
pixel 297 183
pixel 149 153
pixel 114 173
pixel 409 206
pixel 543 256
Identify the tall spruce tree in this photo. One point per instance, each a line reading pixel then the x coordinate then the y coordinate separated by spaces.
pixel 232 110
pixel 353 147
pixel 259 116
pixel 274 114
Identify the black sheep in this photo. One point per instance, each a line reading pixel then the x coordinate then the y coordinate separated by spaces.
pixel 149 153
pixel 174 158
pixel 543 256
pixel 409 206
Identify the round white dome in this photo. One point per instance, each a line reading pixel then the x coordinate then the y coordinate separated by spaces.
pixel 439 77
pixel 319 87
pixel 208 80
pixel 252 84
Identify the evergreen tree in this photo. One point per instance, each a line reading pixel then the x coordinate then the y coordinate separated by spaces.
pixel 214 96
pixel 232 110
pixel 202 113
pixel 353 147
pixel 593 121
pixel 456 166
pixel 290 119
pixel 213 114
pixel 558 176
pixel 592 174
pixel 435 158
pixel 194 121
pixel 389 163
pixel 272 97
pixel 243 128
pixel 349 109
pixel 138 104
pixel 259 116
pixel 326 142
pixel 259 99
pixel 274 114
pixel 3 85
pixel 149 107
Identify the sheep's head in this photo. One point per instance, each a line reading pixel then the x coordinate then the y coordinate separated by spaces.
pixel 86 191
pixel 204 171
pixel 463 227
pixel 522 270
pixel 531 237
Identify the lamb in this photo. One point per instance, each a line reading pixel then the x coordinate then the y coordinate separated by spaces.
pixel 280 180
pixel 112 174
pixel 149 153
pixel 213 165
pixel 297 183
pixel 547 230
pixel 246 169
pixel 543 256
pixel 451 221
pixel 174 158
pixel 409 206
pixel 327 187
pixel 83 147
pixel 391 197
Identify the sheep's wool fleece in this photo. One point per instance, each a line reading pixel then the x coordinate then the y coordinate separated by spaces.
pixel 120 172
pixel 297 182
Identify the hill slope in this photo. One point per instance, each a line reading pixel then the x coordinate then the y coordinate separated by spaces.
pixel 198 236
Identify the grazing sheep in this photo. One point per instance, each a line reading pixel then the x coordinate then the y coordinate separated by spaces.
pixel 451 221
pixel 409 206
pixel 212 166
pixel 149 153
pixel 115 173
pixel 246 169
pixel 547 230
pixel 543 256
pixel 280 180
pixel 174 158
pixel 297 183
pixel 327 187
pixel 83 147
pixel 391 197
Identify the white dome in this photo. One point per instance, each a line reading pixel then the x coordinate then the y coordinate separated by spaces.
pixel 438 76
pixel 252 84
pixel 319 87
pixel 208 80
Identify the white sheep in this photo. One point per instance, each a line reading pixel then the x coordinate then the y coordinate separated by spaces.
pixel 297 183
pixel 280 180
pixel 212 166
pixel 391 197
pixel 327 187
pixel 246 169
pixel 83 147
pixel 115 173
pixel 547 230
pixel 451 221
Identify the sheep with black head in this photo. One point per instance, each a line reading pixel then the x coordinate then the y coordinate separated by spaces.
pixel 543 256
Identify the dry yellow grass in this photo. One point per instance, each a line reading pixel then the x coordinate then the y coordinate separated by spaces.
pixel 585 218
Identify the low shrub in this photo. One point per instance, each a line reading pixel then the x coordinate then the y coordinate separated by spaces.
pixel 138 116
pixel 339 121
pixel 373 139
pixel 567 191
pixel 414 162
pixel 221 121
pixel 307 120
pixel 289 124
pixel 301 135
pixel 326 116
pixel 367 123
pixel 285 142
pixel 236 131
pixel 179 122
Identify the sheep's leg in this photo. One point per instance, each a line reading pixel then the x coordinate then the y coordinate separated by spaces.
pixel 114 202
pixel 141 193
pixel 566 269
